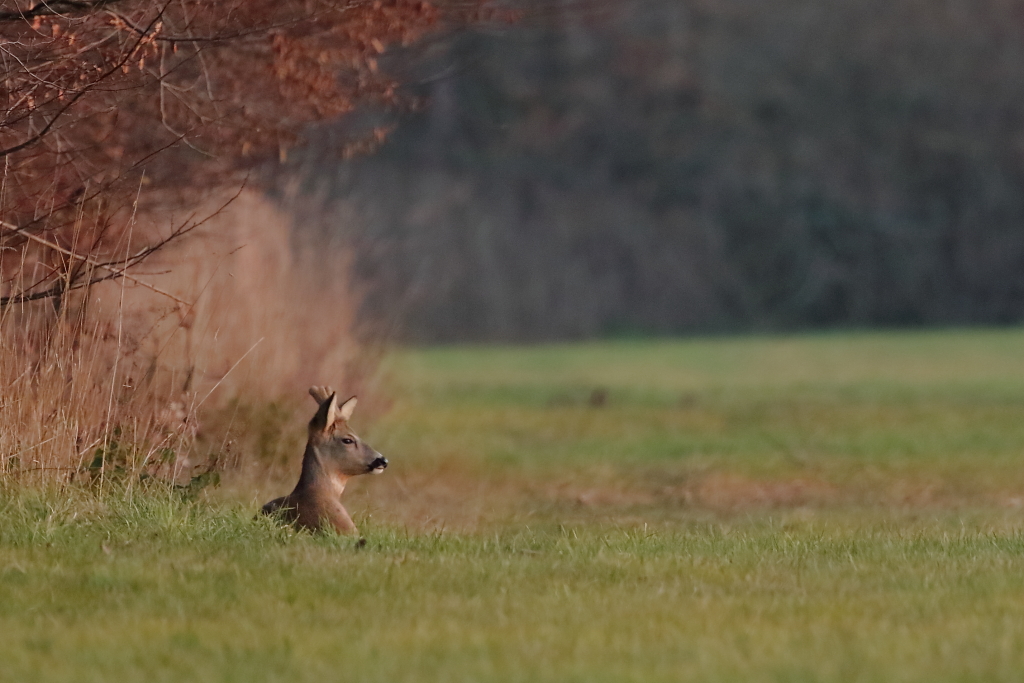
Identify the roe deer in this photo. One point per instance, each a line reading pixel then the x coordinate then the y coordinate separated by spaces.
pixel 333 455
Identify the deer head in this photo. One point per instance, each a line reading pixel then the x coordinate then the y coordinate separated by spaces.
pixel 337 446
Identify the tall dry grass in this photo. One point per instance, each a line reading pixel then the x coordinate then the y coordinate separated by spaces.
pixel 124 381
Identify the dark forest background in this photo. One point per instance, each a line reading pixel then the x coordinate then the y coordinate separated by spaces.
pixel 676 166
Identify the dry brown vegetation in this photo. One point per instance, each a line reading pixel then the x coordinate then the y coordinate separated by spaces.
pixel 134 380
pixel 127 126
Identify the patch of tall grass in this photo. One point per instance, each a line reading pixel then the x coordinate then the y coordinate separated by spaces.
pixel 128 586
pixel 119 382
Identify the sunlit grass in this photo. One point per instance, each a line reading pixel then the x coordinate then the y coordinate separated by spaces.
pixel 156 591
pixel 822 508
pixel 938 409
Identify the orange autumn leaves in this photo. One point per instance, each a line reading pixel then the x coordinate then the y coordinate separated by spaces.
pixel 102 98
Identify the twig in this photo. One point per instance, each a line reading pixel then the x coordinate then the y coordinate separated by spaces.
pixel 117 272
pixel 31 448
pixel 53 7
pixel 228 372
pixel 46 469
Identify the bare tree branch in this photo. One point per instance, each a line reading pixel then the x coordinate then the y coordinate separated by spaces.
pixel 56 7
pixel 114 270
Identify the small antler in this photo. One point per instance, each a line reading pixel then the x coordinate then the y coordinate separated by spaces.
pixel 321 394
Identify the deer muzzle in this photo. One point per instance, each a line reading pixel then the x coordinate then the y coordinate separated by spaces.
pixel 378 465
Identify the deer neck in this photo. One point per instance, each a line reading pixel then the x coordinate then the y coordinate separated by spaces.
pixel 318 480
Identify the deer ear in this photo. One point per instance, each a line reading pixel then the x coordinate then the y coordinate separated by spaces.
pixel 347 408
pixel 320 394
pixel 326 416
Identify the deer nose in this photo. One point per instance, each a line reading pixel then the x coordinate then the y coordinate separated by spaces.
pixel 378 465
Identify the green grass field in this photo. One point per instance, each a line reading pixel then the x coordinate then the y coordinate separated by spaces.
pixel 813 508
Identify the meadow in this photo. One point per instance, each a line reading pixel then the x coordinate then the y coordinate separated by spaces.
pixel 835 507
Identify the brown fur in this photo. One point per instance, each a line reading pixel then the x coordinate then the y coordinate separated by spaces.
pixel 333 455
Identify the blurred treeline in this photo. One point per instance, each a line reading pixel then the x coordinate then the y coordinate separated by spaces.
pixel 661 166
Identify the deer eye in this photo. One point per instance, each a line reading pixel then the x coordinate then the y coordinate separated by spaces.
pixel 347 441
